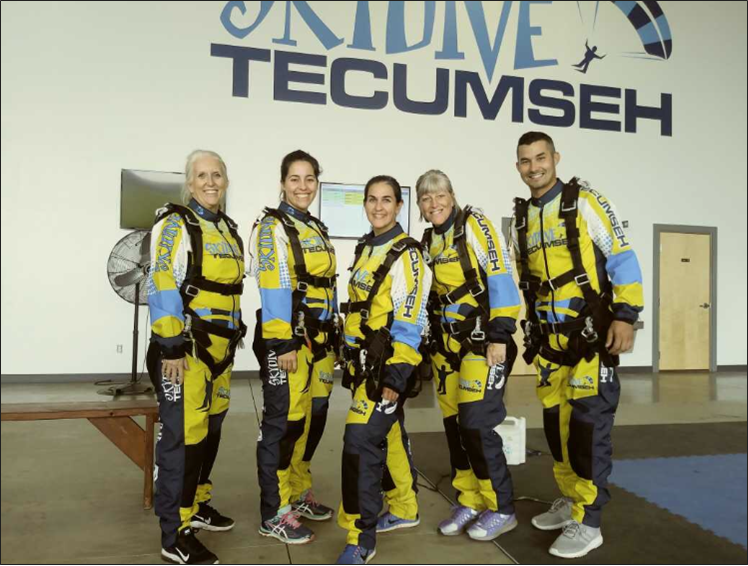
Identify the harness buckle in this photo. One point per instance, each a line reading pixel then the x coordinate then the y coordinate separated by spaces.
pixel 480 291
pixel 187 323
pixel 550 284
pixel 521 226
pixel 302 286
pixel 190 219
pixel 477 335
pixel 364 314
pixel 362 358
pixel 300 330
pixel 459 234
pixel 191 290
pixel 524 285
pixel 582 279
pixel 569 209
pixel 448 298
pixel 588 332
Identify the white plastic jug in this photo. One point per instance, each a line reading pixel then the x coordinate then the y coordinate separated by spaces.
pixel 513 432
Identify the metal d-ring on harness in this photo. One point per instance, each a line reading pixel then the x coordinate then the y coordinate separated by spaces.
pixel 376 347
pixel 198 331
pixel 593 322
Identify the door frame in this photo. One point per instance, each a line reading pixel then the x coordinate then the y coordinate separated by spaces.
pixel 679 229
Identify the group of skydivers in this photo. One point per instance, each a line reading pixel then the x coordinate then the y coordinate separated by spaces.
pixel 445 306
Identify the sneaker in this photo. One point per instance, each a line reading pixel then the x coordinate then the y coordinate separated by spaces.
pixel 286 528
pixel 188 550
pixel 491 524
pixel 576 541
pixel 461 517
pixel 557 517
pixel 353 554
pixel 211 520
pixel 389 522
pixel 308 507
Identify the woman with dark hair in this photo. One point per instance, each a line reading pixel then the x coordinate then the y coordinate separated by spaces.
pixel 385 318
pixel 295 337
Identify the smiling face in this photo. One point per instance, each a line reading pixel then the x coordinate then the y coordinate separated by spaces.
pixel 208 182
pixel 300 185
pixel 382 207
pixel 436 206
pixel 536 164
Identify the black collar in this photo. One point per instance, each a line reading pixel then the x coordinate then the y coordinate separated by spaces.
pixel 294 212
pixel 392 233
pixel 203 212
pixel 550 195
pixel 448 223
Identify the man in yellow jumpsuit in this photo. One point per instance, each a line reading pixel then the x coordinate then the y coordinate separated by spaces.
pixel 583 292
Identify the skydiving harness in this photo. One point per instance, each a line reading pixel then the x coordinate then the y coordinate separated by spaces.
pixel 376 346
pixel 305 323
pixel 197 330
pixel 588 332
pixel 469 332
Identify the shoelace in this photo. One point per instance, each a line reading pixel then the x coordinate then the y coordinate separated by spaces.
pixel 558 504
pixel 572 529
pixel 461 513
pixel 310 499
pixel 292 519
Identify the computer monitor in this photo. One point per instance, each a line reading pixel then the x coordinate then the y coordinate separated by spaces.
pixel 341 208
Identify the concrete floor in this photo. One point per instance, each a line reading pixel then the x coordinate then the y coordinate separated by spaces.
pixel 69 496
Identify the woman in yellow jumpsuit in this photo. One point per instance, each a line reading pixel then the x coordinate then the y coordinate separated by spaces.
pixel 194 291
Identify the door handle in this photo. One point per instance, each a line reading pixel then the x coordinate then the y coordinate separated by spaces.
pixel 705 306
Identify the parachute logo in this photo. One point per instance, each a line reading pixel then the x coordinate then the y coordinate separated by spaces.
pixel 651 24
pixel 646 19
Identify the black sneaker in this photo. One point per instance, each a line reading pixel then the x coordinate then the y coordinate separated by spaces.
pixel 211 520
pixel 188 550
pixel 307 506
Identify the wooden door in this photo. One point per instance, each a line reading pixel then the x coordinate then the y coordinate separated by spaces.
pixel 685 277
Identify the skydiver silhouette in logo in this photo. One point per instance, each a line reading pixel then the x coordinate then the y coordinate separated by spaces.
pixel 442 381
pixel 545 374
pixel 589 56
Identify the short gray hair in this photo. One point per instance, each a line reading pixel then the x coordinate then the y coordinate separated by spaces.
pixel 433 181
pixel 189 170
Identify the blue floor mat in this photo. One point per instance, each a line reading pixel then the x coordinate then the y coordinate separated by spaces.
pixel 709 491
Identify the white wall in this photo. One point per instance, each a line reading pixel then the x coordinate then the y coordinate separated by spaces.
pixel 91 88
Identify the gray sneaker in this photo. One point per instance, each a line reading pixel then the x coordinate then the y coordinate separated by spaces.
pixel 557 517
pixel 576 541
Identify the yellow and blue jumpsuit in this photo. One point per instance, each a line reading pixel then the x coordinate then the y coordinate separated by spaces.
pixel 295 405
pixel 374 432
pixel 470 394
pixel 580 401
pixel 192 414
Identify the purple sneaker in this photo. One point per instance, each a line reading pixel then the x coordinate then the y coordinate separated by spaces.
pixel 491 524
pixel 461 517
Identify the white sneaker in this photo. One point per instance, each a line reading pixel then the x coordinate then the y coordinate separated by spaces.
pixel 557 517
pixel 576 541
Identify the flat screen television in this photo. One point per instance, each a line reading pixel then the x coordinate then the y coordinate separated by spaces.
pixel 341 208
pixel 143 193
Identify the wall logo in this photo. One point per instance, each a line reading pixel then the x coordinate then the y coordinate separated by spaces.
pixel 300 77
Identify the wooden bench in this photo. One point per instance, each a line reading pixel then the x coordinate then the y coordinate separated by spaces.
pixel 113 418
